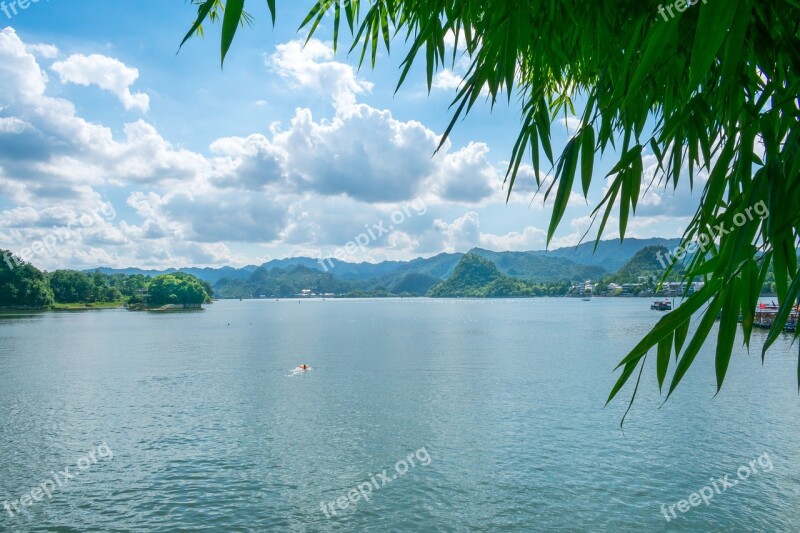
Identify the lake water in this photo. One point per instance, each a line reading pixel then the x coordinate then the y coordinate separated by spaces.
pixel 195 421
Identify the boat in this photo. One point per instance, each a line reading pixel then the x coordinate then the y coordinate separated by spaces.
pixel 766 314
pixel 661 305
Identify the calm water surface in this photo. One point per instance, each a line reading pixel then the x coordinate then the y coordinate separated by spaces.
pixel 210 430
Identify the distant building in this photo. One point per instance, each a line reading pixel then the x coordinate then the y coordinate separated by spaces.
pixel 677 288
pixel 614 288
pixel 630 288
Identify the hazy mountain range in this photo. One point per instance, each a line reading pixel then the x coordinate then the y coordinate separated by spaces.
pixel 284 277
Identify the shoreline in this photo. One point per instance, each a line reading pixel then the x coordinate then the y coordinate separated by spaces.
pixel 104 306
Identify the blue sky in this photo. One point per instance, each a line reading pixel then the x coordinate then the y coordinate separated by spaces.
pixel 116 151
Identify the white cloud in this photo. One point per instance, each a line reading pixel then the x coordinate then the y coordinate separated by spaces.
pixel 571 124
pixel 107 73
pixel 305 186
pixel 14 125
pixel 312 66
pixel 446 79
pixel 47 51
pixel 464 233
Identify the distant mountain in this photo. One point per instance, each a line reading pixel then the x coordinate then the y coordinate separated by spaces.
pixel 646 264
pixel 477 277
pixel 211 275
pixel 563 264
pixel 439 266
pixel 610 254
pixel 414 284
pixel 281 283
pixel 539 267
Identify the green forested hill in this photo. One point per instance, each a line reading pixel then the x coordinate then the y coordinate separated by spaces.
pixel 540 267
pixel 281 283
pixel 477 277
pixel 22 284
pixel 649 262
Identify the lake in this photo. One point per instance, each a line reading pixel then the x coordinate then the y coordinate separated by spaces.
pixel 471 415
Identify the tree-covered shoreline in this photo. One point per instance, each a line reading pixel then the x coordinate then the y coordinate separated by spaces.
pixel 25 287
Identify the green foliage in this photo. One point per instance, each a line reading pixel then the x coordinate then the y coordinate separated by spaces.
pixel 647 263
pixel 414 284
pixel 282 283
pixel 177 288
pixel 22 284
pixel 129 286
pixel 470 278
pixel 540 267
pixel 713 89
pixel 70 286
pixel 476 277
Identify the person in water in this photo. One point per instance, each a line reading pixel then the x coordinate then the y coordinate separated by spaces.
pixel 304 367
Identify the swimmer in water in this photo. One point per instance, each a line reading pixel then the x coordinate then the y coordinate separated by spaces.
pixel 303 367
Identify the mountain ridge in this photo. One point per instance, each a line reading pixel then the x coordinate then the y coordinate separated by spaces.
pixel 610 256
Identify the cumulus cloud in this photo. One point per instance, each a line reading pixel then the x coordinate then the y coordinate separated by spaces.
pixel 52 151
pixel 306 186
pixel 107 73
pixel 312 67
pixel 47 51
pixel 446 79
pixel 571 124
pixel 465 233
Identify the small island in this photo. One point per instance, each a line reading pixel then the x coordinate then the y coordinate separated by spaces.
pixel 25 287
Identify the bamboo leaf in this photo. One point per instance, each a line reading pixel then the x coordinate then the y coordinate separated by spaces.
pixel 712 26
pixel 271 6
pixel 662 364
pixel 727 330
pixel 672 321
pixel 749 294
pixel 696 343
pixel 658 41
pixel 543 125
pixel 202 13
pixel 625 161
pixel 587 158
pixel 626 373
pixel 625 202
pixel 681 332
pixel 568 166
pixel 314 12
pixel 337 14
pixel 230 23
pixel 735 47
